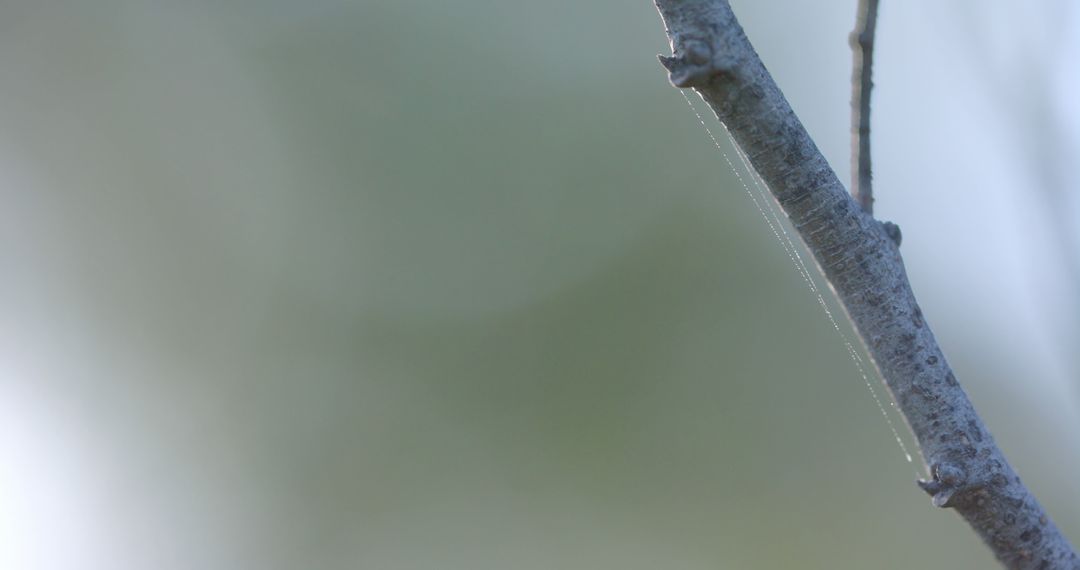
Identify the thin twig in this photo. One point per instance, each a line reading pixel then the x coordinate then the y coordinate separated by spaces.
pixel 969 473
pixel 862 48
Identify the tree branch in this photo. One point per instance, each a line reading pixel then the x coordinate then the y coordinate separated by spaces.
pixel 862 49
pixel 856 254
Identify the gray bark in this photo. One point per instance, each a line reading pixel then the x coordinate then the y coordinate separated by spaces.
pixel 862 262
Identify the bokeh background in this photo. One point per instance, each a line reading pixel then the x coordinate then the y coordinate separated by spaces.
pixel 424 284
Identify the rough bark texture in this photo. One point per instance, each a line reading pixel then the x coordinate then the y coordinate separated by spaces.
pixel 862 47
pixel 862 262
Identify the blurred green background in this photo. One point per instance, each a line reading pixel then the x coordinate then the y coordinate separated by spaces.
pixel 421 284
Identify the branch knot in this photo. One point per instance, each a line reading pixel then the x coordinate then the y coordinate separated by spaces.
pixel 893 231
pixel 693 63
pixel 948 480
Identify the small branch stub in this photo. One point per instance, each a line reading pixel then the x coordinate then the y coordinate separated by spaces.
pixel 692 66
pixel 893 231
pixel 948 480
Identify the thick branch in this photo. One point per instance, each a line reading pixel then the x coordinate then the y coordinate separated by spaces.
pixel 862 48
pixel 970 474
